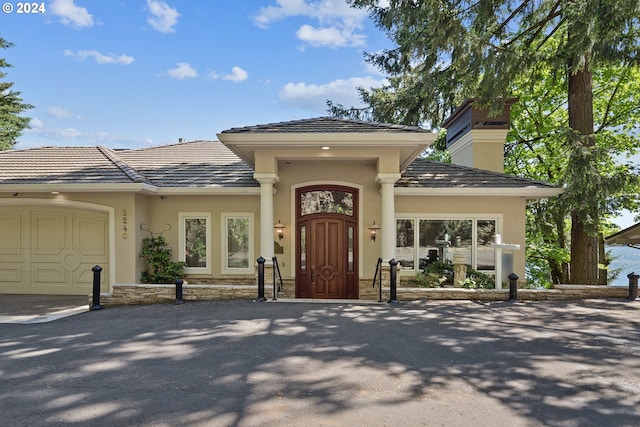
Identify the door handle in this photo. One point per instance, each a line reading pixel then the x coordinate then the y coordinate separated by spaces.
pixel 313 273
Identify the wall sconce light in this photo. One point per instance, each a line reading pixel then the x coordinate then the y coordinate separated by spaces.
pixel 373 230
pixel 279 227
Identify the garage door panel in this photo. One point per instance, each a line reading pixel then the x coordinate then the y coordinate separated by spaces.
pixel 84 274
pixel 48 273
pixel 52 249
pixel 48 233
pixel 11 273
pixel 90 236
pixel 13 235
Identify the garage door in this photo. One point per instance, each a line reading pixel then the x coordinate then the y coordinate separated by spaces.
pixel 49 250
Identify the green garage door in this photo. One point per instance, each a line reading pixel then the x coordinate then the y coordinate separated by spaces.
pixel 50 250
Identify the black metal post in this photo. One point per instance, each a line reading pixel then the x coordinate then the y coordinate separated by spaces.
pixel 179 283
pixel 261 262
pixel 633 285
pixel 393 266
pixel 513 287
pixel 96 288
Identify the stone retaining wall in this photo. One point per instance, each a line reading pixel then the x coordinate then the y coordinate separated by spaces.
pixel 153 294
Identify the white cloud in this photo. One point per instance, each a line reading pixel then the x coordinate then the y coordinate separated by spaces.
pixel 333 37
pixel 61 113
pixel 338 21
pixel 314 97
pixel 100 57
pixel 237 75
pixel 183 71
pixel 70 14
pixel 163 17
pixel 35 123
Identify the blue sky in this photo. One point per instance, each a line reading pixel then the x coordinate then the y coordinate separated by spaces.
pixel 147 72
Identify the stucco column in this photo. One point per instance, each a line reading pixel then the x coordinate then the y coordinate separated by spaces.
pixel 387 220
pixel 266 214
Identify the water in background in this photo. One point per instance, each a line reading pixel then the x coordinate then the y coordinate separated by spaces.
pixel 625 259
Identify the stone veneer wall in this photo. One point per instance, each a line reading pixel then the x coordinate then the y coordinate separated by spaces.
pixel 152 294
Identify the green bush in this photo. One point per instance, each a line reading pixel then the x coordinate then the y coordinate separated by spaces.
pixel 157 252
pixel 439 274
pixel 478 280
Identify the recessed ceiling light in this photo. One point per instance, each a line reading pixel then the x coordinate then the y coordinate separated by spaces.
pixel 326 147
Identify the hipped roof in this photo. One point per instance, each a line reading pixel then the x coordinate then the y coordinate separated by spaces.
pixel 212 166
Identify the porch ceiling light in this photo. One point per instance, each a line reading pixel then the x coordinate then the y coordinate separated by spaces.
pixel 326 147
pixel 279 227
pixel 373 230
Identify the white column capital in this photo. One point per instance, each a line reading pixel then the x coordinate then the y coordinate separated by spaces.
pixel 266 178
pixel 387 178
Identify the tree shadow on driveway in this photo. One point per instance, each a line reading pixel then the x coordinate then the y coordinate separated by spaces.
pixel 240 363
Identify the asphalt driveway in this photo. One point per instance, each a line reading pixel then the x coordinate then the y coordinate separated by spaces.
pixel 240 363
pixel 40 308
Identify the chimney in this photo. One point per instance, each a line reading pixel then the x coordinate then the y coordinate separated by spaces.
pixel 476 139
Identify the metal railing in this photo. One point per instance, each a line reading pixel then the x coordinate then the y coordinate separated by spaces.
pixel 277 278
pixel 378 276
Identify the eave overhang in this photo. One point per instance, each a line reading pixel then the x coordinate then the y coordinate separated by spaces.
pixel 126 188
pixel 410 145
pixel 530 193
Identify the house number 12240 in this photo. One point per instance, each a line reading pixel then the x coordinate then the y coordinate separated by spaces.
pixel 124 223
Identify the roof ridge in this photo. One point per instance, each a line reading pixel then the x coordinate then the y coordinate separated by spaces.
pixel 312 120
pixel 122 165
pixel 174 144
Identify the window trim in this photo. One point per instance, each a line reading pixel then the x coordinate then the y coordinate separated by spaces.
pixel 224 244
pixel 498 218
pixel 182 217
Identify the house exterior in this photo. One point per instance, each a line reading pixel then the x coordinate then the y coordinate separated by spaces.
pixel 340 193
pixel 630 236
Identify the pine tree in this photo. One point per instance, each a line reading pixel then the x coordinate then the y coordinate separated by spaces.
pixel 11 106
pixel 449 50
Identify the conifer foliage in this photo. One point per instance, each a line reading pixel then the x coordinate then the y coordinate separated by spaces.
pixel 450 50
pixel 11 106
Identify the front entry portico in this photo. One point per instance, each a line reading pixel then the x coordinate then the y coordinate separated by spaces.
pixel 327 242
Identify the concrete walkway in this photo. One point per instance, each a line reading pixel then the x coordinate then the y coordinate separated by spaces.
pixel 241 363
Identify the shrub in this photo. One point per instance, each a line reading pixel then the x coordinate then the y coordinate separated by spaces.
pixel 157 253
pixel 478 280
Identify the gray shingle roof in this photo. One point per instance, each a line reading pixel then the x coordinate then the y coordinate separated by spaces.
pixel 202 164
pixel 59 165
pixel 191 164
pixel 422 173
pixel 326 125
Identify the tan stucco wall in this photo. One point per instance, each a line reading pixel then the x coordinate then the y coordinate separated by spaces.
pixel 164 210
pixel 358 173
pixel 157 211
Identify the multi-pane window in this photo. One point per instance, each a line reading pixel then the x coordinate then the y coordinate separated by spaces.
pixel 442 239
pixel 326 201
pixel 238 243
pixel 195 241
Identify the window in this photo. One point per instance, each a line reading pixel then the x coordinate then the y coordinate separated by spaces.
pixel 195 241
pixel 326 201
pixel 405 248
pixel 238 243
pixel 439 239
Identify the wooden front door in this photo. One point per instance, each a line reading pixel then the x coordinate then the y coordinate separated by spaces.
pixel 327 238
